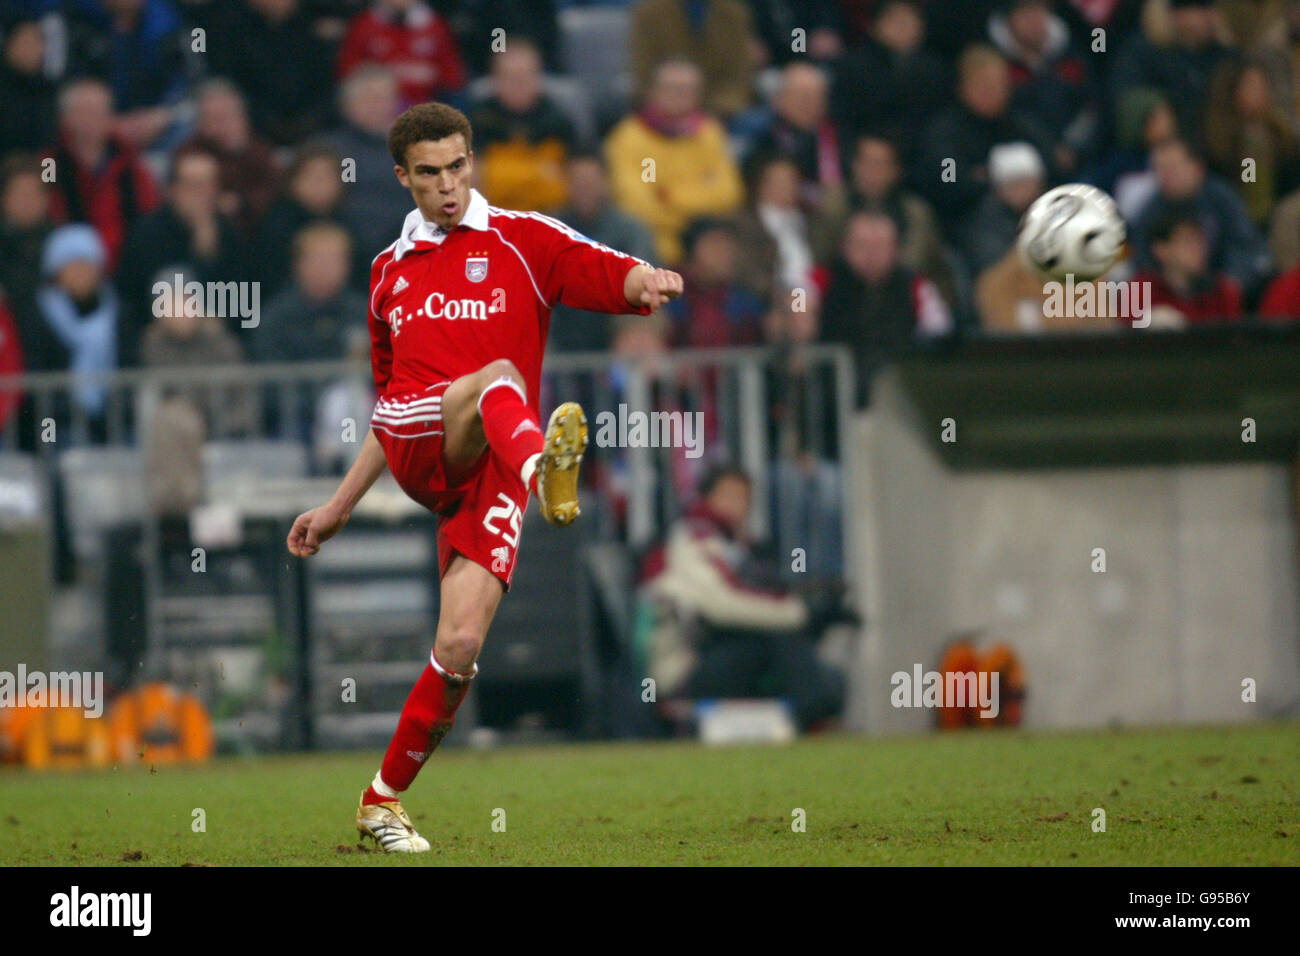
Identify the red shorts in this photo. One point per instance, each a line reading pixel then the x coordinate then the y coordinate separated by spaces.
pixel 481 516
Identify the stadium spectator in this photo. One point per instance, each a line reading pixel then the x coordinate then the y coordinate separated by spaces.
pixel 1012 299
pixel 274 38
pixel 139 48
pixel 99 178
pixel 736 631
pixel 1185 288
pixel 716 309
pixel 374 202
pixel 80 306
pixel 313 189
pixel 521 137
pixel 413 41
pixel 1236 247
pixel 344 407
pixel 953 169
pixel 189 229
pixel 1182 69
pixel 806 496
pixel 309 319
pixel 535 20
pixel 776 20
pixel 876 185
pixel 173 450
pixel 892 81
pixel 27 95
pixel 800 129
pixel 1245 124
pixel 591 213
pixel 1017 176
pixel 637 346
pixel 11 363
pixel 24 227
pixel 183 335
pixel 248 169
pixel 1143 120
pixel 874 304
pixel 691 173
pixel 1255 27
pixel 957 25
pixel 1279 52
pixel 1050 80
pixel 1284 231
pixel 1282 298
pixel 716 35
pixel 774 230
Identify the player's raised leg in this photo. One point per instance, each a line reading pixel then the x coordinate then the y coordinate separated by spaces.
pixel 490 408
pixel 469 598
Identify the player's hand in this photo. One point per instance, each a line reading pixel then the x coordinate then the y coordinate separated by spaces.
pixel 658 286
pixel 313 528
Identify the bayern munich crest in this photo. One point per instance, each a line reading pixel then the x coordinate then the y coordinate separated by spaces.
pixel 476 268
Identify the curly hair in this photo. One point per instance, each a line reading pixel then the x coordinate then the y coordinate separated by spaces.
pixel 431 121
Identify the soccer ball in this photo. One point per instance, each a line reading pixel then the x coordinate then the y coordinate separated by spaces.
pixel 1071 230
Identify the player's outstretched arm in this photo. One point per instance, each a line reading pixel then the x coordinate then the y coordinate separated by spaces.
pixel 312 528
pixel 650 287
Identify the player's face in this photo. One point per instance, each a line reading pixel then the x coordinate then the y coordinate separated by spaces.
pixel 438 174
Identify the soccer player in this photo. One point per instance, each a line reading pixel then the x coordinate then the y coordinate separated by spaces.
pixel 460 305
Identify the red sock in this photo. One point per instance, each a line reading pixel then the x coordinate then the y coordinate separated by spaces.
pixel 509 424
pixel 428 714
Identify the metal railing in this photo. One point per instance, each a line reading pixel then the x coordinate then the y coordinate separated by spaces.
pixel 733 389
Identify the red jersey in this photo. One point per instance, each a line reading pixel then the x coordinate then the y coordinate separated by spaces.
pixel 1219 300
pixel 418 46
pixel 444 304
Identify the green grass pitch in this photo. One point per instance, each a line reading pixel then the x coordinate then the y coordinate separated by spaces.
pixel 1200 796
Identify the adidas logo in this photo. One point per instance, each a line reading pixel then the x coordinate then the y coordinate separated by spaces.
pixel 399 285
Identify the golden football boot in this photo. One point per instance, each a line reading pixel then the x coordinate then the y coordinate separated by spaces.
pixel 557 469
pixel 388 825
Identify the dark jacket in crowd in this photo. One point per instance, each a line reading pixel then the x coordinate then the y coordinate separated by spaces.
pixel 159 240
pixel 376 205
pixel 294 328
pixel 27 110
pixel 880 321
pixel 297 99
pixel 961 135
pixel 878 91
pixel 271 251
pixel 20 277
pixel 1236 247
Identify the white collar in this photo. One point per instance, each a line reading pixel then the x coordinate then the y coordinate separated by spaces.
pixel 418 229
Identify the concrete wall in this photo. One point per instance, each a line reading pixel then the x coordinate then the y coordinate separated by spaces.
pixel 1200 588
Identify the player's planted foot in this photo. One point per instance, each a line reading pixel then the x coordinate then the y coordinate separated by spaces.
pixel 389 826
pixel 557 469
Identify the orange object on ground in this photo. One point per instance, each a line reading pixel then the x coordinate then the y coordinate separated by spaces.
pixel 156 724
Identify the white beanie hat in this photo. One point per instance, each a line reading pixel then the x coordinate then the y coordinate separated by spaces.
pixel 1009 162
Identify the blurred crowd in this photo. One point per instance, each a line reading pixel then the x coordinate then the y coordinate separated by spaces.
pixel 847 171
pixel 873 155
